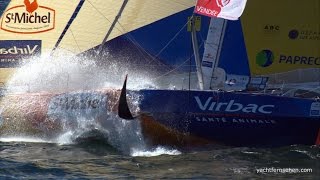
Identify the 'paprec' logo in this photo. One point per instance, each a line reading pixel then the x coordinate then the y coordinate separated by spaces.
pixel 29 18
pixel 265 58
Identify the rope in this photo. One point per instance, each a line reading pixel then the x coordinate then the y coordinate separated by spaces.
pixel 174 37
pixel 75 40
pixel 179 66
pixel 153 58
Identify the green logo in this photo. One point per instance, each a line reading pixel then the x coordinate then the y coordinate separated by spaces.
pixel 264 58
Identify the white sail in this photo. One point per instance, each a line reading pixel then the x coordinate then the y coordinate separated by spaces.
pixel 96 17
pixel 89 21
pixel 93 20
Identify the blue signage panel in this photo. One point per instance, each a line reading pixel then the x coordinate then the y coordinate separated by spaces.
pixel 14 52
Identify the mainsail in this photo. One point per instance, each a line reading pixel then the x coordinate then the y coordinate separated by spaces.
pixel 76 25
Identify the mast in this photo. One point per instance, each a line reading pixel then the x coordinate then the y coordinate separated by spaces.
pixel 112 25
pixel 196 52
pixel 212 51
pixel 74 15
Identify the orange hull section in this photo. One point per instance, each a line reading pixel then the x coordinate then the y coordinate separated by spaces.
pixel 158 134
pixel 41 113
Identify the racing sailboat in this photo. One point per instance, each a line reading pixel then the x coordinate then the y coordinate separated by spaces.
pixel 34 30
pixel 240 111
pixel 237 112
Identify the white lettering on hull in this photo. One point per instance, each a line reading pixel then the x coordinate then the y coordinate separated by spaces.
pixel 232 106
pixel 234 120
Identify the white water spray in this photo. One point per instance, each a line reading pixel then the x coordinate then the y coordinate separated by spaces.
pixel 64 74
pixel 61 74
pixel 154 152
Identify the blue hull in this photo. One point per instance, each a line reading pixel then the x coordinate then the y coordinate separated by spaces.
pixel 283 121
pixel 232 118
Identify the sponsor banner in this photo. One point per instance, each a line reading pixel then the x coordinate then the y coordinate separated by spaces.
pixel 14 52
pixel 251 104
pixel 70 106
pixel 44 20
pixel 226 9
pixel 279 39
pixel 234 120
pixel 28 18
pixel 237 104
pixel 233 106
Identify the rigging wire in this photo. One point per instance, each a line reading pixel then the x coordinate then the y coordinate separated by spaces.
pixel 140 48
pixel 165 47
pixel 173 38
pixel 100 12
pixel 75 40
pixel 124 31
pixel 177 67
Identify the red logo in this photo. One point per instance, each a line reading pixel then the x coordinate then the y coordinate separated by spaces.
pixel 30 7
pixel 222 3
pixel 29 18
pixel 210 8
pixel 226 9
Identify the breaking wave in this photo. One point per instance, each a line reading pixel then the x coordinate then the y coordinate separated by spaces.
pixel 77 75
pixel 60 74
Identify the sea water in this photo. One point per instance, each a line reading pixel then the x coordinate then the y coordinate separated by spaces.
pixel 119 151
pixel 35 159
